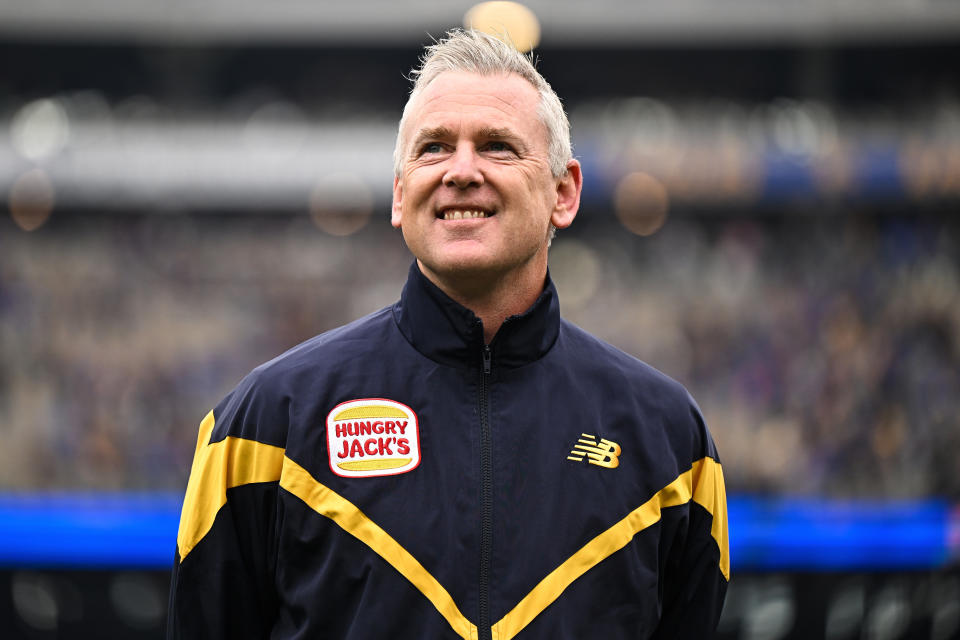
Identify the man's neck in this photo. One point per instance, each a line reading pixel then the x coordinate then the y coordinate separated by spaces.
pixel 492 299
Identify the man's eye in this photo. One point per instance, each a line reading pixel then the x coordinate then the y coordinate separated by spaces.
pixel 497 146
pixel 431 147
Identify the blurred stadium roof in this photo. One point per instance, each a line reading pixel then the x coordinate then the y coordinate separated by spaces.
pixel 246 105
pixel 572 22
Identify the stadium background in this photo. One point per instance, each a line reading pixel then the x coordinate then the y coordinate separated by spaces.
pixel 770 216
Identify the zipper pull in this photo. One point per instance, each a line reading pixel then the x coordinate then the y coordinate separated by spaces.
pixel 486 358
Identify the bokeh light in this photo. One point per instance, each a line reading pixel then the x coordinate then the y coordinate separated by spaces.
pixel 641 203
pixel 35 600
pixel 137 600
pixel 341 204
pixel 276 128
pixel 845 611
pixel 40 129
pixel 576 269
pixel 31 199
pixel 511 22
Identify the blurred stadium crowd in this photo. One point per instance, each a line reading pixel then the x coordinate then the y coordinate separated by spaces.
pixel 771 223
pixel 823 349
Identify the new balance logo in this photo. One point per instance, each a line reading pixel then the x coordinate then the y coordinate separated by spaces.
pixel 603 454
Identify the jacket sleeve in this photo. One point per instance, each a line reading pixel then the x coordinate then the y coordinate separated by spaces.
pixel 698 568
pixel 223 579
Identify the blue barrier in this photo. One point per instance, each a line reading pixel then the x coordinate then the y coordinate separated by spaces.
pixel 811 534
pixel 86 530
pixel 138 530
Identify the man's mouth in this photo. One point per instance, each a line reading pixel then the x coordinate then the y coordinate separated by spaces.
pixel 464 214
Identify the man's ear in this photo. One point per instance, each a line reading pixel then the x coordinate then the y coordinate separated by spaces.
pixel 569 187
pixel 396 214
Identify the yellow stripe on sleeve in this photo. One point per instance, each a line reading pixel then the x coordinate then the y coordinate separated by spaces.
pixel 217 467
pixel 327 502
pixel 709 491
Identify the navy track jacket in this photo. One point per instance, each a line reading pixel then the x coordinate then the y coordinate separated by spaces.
pixel 396 478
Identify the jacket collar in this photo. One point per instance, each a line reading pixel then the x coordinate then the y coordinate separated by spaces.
pixel 449 333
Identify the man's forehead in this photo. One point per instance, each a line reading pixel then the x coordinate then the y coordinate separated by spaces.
pixel 504 97
pixel 468 87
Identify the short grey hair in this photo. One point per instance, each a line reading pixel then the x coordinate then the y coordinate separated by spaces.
pixel 477 52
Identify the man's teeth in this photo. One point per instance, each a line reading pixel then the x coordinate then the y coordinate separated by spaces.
pixel 463 215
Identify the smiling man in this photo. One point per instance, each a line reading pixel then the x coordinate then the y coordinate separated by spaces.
pixel 464 463
pixel 475 193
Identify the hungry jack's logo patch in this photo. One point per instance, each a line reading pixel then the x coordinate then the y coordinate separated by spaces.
pixel 372 437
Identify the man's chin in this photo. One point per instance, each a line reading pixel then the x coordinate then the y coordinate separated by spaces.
pixel 461 267
pixel 472 272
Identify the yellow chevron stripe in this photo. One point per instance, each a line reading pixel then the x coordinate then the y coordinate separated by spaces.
pixel 327 502
pixel 217 467
pixel 703 482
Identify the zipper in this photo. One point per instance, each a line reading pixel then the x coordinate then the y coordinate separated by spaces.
pixel 486 499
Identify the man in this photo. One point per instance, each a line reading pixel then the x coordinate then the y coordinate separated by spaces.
pixel 463 463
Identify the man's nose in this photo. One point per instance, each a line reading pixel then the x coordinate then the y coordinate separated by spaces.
pixel 463 168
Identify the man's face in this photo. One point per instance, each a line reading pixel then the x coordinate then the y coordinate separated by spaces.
pixel 476 196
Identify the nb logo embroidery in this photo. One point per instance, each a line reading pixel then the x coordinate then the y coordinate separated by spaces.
pixel 603 454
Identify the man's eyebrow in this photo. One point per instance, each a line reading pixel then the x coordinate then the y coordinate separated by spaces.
pixel 496 133
pixel 441 133
pixel 433 133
